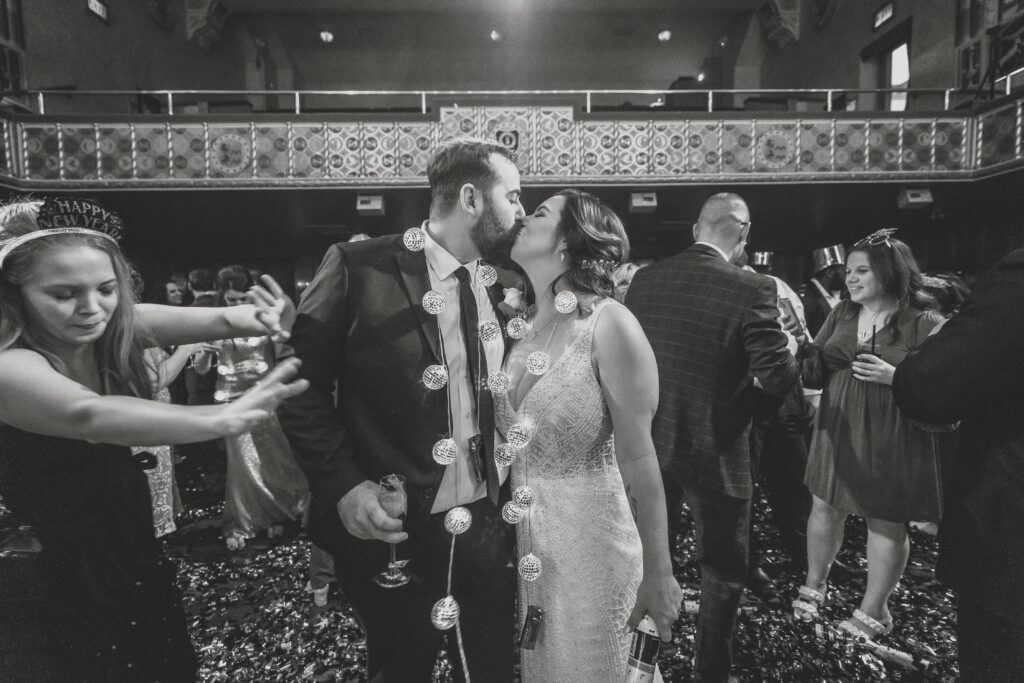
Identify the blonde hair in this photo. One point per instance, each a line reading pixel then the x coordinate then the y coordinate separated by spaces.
pixel 120 352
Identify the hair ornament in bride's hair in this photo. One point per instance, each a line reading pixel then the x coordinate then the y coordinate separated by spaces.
pixel 599 264
pixel 877 237
pixel 68 216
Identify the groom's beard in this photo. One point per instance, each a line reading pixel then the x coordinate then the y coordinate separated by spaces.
pixel 493 238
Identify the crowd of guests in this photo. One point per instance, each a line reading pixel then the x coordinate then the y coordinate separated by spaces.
pixel 556 433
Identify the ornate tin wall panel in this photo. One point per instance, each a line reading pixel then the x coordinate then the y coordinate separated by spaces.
pixel 272 151
pixel 552 145
pixel 115 152
pixel 596 150
pixel 670 148
pixel 308 150
pixel 151 158
pixel 950 145
pixel 816 146
pixel 737 147
pixel 998 136
pixel 884 146
pixel 776 147
pixel 555 149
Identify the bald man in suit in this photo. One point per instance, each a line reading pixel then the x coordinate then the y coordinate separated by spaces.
pixel 715 333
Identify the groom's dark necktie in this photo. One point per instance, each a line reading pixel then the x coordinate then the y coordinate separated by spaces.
pixel 476 360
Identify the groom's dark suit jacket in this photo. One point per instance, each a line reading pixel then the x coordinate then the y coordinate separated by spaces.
pixel 361 323
pixel 713 326
pixel 973 370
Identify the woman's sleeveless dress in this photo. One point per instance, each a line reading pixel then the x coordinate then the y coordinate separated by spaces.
pixel 113 610
pixel 579 524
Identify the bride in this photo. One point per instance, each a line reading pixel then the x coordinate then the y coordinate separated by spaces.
pixel 583 372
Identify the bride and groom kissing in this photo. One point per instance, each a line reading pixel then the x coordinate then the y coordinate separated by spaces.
pixel 413 362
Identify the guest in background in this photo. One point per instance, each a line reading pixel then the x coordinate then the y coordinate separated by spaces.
pixel 264 486
pixel 973 370
pixel 716 337
pixel 867 458
pixel 823 291
pixel 164 291
pixel 622 277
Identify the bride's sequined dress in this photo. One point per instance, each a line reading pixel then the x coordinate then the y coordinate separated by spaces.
pixel 579 524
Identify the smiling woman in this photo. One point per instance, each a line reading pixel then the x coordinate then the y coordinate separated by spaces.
pixel 73 384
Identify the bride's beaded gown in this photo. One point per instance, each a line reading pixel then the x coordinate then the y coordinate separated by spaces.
pixel 579 525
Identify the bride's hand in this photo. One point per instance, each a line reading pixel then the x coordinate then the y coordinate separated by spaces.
pixel 660 598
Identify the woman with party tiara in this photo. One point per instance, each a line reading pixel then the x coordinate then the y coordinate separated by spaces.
pixel 867 458
pixel 74 392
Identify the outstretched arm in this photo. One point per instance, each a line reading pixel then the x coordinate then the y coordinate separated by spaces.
pixel 271 312
pixel 36 398
pixel 628 374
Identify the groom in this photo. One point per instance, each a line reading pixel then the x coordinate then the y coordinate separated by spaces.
pixel 362 324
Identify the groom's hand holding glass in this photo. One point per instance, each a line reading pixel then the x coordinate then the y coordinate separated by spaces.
pixel 363 517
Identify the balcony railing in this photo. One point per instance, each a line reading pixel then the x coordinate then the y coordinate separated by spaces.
pixel 204 138
pixel 176 102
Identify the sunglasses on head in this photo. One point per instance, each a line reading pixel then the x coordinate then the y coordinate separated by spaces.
pixel 877 237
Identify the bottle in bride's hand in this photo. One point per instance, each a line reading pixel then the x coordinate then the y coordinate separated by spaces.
pixel 393 499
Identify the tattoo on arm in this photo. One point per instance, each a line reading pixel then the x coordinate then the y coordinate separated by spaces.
pixel 632 500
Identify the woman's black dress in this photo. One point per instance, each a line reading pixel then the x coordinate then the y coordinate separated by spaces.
pixel 114 612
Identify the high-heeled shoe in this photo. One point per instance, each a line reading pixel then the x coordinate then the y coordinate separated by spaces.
pixel 864 626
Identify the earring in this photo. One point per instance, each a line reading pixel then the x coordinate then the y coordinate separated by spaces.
pixel 562 254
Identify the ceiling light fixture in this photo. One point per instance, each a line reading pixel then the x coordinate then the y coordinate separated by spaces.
pixel 700 77
pixel 496 36
pixel 326 37
pixel 665 36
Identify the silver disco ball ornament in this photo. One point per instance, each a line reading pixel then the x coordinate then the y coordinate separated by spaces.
pixel 445 451
pixel 523 495
pixel 434 302
pixel 489 331
pixel 435 377
pixel 487 275
pixel 516 328
pixel 413 239
pixel 498 382
pixel 445 613
pixel 518 435
pixel 504 455
pixel 529 567
pixel 457 520
pixel 513 512
pixel 565 302
pixel 537 363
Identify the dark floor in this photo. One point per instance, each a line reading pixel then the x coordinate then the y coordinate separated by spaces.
pixel 252 620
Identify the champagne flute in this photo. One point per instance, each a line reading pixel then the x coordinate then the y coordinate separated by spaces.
pixel 393 499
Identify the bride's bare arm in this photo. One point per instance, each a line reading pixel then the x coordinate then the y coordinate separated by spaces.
pixel 36 398
pixel 628 374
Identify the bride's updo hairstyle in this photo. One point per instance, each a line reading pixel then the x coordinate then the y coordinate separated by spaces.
pixel 596 243
pixel 30 230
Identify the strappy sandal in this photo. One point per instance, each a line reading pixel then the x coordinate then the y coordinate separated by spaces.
pixel 807 604
pixel 865 627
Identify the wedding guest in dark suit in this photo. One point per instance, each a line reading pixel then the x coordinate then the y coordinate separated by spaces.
pixel 362 324
pixel 973 370
pixel 715 334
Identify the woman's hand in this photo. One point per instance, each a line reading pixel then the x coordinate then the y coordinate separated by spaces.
pixel 260 402
pixel 660 598
pixel 274 310
pixel 870 368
